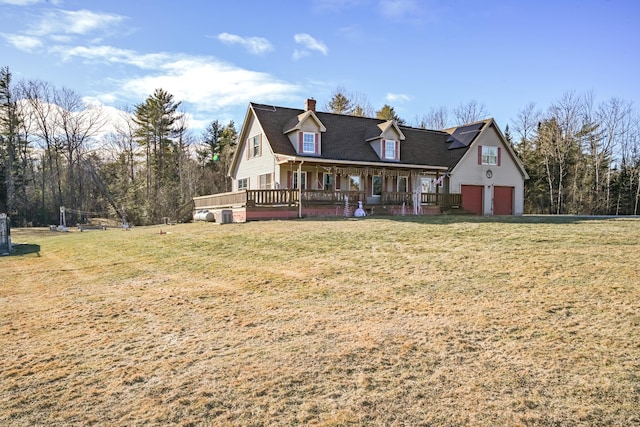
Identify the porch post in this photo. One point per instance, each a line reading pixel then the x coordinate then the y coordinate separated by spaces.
pixel 300 190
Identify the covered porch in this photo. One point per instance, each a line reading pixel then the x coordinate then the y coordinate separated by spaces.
pixel 297 203
pixel 296 188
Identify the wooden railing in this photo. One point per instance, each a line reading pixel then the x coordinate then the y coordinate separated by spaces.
pixel 289 197
pixel 397 198
pixel 222 200
pixel 447 200
pixel 332 196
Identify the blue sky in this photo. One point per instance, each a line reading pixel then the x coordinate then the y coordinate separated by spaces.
pixel 414 55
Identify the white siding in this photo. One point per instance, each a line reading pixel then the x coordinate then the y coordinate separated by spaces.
pixel 254 167
pixel 469 172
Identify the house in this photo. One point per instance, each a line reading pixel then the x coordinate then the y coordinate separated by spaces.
pixel 301 162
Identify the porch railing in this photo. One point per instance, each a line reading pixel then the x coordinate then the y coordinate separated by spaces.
pixel 446 200
pixel 222 200
pixel 332 196
pixel 289 197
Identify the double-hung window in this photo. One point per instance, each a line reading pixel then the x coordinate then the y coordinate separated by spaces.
pixel 243 184
pixel 489 155
pixel 254 148
pixel 390 149
pixel 402 184
pixel 303 180
pixel 265 181
pixel 376 184
pixel 308 142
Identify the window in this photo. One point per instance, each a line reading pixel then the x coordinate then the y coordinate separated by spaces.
pixel 243 184
pixel 402 184
pixel 309 142
pixel 328 182
pixel 354 183
pixel 390 149
pixel 303 180
pixel 265 181
pixel 489 155
pixel 376 185
pixel 254 148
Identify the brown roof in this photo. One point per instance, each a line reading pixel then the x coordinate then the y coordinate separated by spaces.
pixel 346 138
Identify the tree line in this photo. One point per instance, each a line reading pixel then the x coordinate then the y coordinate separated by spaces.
pixel 145 164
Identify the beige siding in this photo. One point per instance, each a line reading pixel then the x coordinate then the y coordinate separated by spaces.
pixel 308 125
pixel 254 167
pixel 469 172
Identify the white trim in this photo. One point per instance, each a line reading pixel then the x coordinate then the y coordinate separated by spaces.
pixel 285 159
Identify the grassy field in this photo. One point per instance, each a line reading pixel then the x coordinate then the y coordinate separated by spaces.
pixel 441 321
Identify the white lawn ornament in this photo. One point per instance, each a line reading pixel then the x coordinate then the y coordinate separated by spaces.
pixel 360 212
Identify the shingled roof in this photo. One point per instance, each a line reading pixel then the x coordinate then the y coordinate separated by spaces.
pixel 346 137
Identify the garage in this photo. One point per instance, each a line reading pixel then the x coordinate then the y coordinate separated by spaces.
pixel 472 198
pixel 502 200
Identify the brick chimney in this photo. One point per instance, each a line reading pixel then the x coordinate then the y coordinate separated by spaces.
pixel 310 104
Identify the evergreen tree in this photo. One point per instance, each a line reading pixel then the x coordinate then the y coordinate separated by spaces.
pixel 388 113
pixel 12 171
pixel 214 156
pixel 340 104
pixel 157 131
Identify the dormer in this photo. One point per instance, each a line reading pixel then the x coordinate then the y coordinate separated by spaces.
pixel 387 142
pixel 305 131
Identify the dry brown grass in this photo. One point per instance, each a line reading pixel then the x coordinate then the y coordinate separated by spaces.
pixel 438 321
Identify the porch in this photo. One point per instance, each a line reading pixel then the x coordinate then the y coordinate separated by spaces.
pixel 293 203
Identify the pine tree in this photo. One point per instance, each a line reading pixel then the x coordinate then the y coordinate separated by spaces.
pixel 157 121
pixel 388 113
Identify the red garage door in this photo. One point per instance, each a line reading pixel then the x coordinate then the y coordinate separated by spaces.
pixel 502 200
pixel 472 198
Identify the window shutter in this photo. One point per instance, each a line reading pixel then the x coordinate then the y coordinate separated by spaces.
pixel 300 142
pixel 336 180
pixel 499 151
pixel 479 154
pixel 260 145
pixel 289 179
pixel 317 149
pixel 397 150
pixel 248 149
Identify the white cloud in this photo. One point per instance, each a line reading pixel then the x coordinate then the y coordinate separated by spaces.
pixel 398 97
pixel 21 2
pixel 210 84
pixel 114 55
pixel 309 43
pixel 254 45
pixel 205 82
pixel 399 9
pixel 25 43
pixel 78 22
pixel 297 54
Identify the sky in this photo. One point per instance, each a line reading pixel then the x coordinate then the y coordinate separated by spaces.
pixel 415 55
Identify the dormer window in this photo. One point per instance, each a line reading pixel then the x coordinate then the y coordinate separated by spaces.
pixel 309 142
pixel 391 149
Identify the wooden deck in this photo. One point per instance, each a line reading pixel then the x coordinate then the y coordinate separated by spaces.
pixel 290 198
